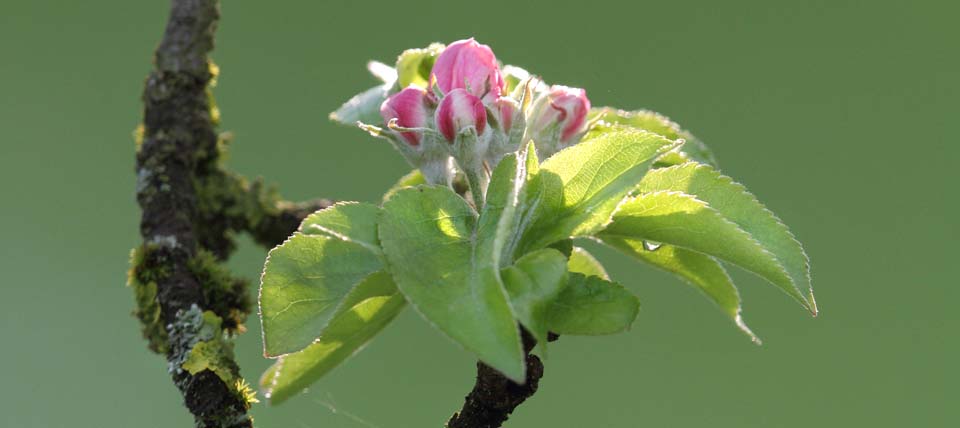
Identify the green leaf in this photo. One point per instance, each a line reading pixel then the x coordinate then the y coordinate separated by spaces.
pixel 738 205
pixel 363 311
pixel 693 148
pixel 581 261
pixel 303 283
pixel 533 162
pixel 590 305
pixel 526 202
pixel 366 310
pixel 576 191
pixel 363 107
pixel 446 262
pixel 533 283
pixel 414 65
pixel 413 178
pixel 349 221
pixel 335 248
pixel 679 219
pixel 701 271
pixel 501 212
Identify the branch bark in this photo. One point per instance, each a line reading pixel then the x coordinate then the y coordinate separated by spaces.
pixel 190 207
pixel 494 397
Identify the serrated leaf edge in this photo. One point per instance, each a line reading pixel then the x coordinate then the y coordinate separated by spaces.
pixel 666 120
pixel 337 235
pixel 336 309
pixel 585 203
pixel 780 224
pixel 779 265
pixel 281 360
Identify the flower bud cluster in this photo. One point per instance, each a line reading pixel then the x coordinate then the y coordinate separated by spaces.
pixel 466 120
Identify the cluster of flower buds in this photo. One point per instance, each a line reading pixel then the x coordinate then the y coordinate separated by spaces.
pixel 466 120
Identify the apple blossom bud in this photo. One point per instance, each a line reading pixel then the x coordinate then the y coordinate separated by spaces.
pixel 410 109
pixel 506 109
pixel 506 118
pixel 469 65
pixel 460 110
pixel 564 109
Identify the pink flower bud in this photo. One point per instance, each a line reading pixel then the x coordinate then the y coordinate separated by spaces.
pixel 459 110
pixel 409 107
pixel 506 109
pixel 567 108
pixel 468 64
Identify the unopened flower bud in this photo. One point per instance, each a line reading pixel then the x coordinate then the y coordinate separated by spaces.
pixel 410 109
pixel 466 64
pixel 458 111
pixel 507 109
pixel 506 118
pixel 563 111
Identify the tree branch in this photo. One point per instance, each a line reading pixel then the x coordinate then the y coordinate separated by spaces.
pixel 189 304
pixel 494 397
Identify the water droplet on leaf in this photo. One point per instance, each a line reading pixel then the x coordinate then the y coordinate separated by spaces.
pixel 651 246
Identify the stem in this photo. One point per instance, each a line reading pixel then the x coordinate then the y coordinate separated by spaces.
pixel 494 397
pixel 468 157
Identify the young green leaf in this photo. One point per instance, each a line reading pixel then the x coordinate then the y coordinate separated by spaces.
pixel 363 107
pixel 581 261
pixel 527 201
pixel 533 282
pixel 349 221
pixel 412 178
pixel 444 261
pixel 700 270
pixel 383 72
pixel 679 219
pixel 590 305
pixel 499 218
pixel 366 310
pixel 303 282
pixel 738 205
pixel 414 65
pixel 577 190
pixel 292 288
pixel 692 149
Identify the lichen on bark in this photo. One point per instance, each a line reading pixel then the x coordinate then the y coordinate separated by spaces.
pixel 188 303
pixel 142 278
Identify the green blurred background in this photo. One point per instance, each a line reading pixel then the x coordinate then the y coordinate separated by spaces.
pixel 840 115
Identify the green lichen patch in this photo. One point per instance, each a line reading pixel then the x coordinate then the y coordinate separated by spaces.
pixel 142 278
pixel 138 136
pixel 213 355
pixel 209 348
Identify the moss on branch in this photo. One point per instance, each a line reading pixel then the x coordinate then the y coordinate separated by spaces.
pixel 188 303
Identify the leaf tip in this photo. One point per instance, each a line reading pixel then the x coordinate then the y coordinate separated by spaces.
pixel 743 327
